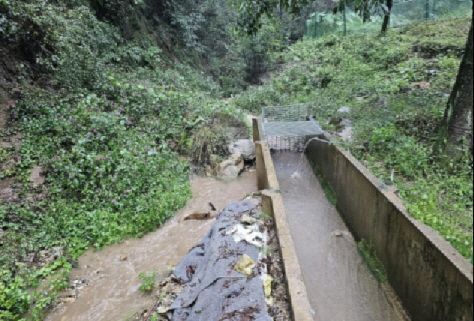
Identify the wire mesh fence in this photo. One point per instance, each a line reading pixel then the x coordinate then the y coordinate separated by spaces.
pixel 289 127
pixel 403 12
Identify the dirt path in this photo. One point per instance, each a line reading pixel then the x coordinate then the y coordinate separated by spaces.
pixel 339 284
pixel 111 274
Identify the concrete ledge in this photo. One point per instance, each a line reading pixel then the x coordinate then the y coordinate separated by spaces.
pixel 272 203
pixel 256 129
pixel 434 282
pixel 266 175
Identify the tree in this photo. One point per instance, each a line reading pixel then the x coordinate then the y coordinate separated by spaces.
pixel 386 18
pixel 457 121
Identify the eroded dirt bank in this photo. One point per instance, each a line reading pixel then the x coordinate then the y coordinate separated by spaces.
pixel 339 284
pixel 110 275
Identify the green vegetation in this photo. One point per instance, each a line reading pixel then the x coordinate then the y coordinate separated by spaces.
pixel 328 190
pixel 396 88
pixel 148 281
pixel 112 122
pixel 367 251
pixel 112 101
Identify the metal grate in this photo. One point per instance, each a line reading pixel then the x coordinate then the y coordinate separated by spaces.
pixel 288 127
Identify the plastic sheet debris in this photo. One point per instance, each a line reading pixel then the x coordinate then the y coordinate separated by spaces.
pixel 223 277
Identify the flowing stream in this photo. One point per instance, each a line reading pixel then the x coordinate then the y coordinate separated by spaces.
pixel 111 274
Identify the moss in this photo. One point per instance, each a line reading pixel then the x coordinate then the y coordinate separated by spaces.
pixel 367 251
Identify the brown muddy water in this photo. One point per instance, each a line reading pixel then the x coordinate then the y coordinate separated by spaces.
pixel 111 275
pixel 340 286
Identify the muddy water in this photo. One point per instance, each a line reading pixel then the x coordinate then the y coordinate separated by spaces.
pixel 339 284
pixel 112 291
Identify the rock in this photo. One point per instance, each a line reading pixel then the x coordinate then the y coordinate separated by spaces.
pixel 36 176
pixel 344 110
pixel 230 172
pixel 123 258
pixel 345 131
pixel 231 168
pixel 244 147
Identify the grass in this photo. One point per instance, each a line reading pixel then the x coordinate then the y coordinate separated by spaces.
pixel 374 264
pixel 148 281
pixel 396 88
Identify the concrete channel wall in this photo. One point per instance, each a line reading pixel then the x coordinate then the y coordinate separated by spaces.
pixel 433 281
pixel 272 204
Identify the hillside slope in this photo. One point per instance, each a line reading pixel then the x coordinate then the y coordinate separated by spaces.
pixel 98 130
pixel 383 98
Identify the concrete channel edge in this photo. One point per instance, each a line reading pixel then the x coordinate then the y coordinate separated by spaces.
pixel 272 203
pixel 433 281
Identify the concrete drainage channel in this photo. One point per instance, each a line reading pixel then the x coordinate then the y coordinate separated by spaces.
pixel 425 279
pixel 300 260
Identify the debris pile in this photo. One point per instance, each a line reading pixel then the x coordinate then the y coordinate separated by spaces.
pixel 229 275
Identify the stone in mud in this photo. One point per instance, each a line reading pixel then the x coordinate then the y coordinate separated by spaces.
pixel 231 168
pixel 244 147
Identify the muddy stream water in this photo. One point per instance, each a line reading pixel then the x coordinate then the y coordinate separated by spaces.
pixel 340 286
pixel 111 274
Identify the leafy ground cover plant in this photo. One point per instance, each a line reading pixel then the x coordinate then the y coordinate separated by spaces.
pixel 111 125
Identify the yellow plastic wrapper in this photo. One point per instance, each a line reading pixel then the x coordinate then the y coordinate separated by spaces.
pixel 245 265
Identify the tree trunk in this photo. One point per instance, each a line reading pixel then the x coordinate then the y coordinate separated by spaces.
pixel 457 122
pixel 386 18
pixel 427 9
pixel 365 11
pixel 344 18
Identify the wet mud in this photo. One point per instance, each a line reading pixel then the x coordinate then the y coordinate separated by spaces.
pixel 109 277
pixel 339 284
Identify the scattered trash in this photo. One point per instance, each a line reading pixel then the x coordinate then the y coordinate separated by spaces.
pixel 249 234
pixel 245 265
pixel 227 275
pixel 247 219
pixel 199 216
